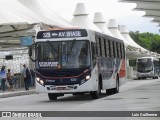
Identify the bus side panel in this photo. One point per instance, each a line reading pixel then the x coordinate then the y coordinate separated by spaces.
pixel 122 72
pixel 107 70
pixel 119 69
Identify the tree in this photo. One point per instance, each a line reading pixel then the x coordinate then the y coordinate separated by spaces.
pixel 147 40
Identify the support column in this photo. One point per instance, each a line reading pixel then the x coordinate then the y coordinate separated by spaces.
pixel 129 70
pixel 31 63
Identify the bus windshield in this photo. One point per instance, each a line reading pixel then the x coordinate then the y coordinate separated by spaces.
pixel 63 54
pixel 144 66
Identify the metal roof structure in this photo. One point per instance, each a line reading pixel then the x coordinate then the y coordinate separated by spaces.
pixel 21 18
pixel 18 18
pixel 81 19
pixel 151 8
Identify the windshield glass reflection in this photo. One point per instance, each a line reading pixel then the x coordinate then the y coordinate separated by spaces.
pixel 65 54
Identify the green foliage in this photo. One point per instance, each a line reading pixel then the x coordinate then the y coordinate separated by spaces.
pixel 147 40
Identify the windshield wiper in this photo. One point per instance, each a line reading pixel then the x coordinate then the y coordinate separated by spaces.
pixel 71 47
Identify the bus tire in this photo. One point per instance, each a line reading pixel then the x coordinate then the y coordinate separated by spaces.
pixel 81 93
pixel 116 89
pixel 74 94
pixel 100 84
pixel 52 96
pixel 95 94
pixel 109 91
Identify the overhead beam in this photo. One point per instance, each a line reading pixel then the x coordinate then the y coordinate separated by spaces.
pixel 148 6
pixel 152 13
pixel 140 1
pixel 9 38
pixel 155 20
pixel 13 33
pixel 4 43
pixel 144 9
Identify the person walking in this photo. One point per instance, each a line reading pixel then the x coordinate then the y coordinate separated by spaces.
pixel 33 77
pixel 26 76
pixel 15 79
pixel 9 79
pixel 3 77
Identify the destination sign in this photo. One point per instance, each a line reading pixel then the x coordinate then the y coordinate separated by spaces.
pixel 62 34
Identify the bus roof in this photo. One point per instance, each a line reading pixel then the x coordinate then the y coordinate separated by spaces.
pixel 153 58
pixel 71 33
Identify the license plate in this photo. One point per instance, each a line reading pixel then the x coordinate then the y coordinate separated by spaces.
pixel 61 88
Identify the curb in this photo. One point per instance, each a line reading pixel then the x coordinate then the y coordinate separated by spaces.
pixel 18 93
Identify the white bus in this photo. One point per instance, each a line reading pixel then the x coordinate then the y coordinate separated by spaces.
pixel 77 61
pixel 147 67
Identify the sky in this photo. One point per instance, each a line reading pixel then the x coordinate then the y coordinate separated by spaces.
pixel 111 9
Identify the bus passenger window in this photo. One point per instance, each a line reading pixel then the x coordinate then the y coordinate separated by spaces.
pixel 113 49
pixel 97 46
pixel 118 50
pixel 122 51
pixel 109 48
pixel 105 51
pixel 100 46
pixel 93 51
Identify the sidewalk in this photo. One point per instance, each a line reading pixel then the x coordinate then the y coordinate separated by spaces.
pixel 18 92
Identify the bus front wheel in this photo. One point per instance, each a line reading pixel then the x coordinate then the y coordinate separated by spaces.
pixel 95 94
pixel 52 96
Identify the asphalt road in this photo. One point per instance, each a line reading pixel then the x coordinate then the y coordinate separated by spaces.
pixel 135 95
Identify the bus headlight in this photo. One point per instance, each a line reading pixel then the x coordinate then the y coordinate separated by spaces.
pixel 85 79
pixel 41 82
pixel 88 77
pixel 38 79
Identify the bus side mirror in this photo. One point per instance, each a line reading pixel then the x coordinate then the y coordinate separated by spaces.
pixel 30 54
pixel 30 51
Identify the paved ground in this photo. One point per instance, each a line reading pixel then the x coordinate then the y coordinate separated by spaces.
pixel 135 95
pixel 18 92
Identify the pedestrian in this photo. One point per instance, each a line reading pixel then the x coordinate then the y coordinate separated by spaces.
pixel 15 81
pixel 9 79
pixel 26 76
pixel 33 77
pixel 3 77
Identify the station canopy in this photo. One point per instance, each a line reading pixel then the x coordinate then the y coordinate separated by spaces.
pixel 151 8
pixel 18 18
